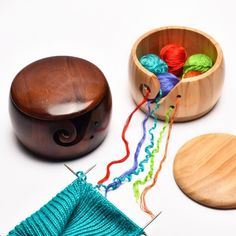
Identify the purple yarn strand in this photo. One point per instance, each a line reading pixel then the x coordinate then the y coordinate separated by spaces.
pixel 138 148
pixel 118 181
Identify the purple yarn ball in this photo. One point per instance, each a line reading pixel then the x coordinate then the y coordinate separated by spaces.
pixel 167 82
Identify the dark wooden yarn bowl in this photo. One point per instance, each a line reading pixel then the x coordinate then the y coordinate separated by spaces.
pixel 60 107
pixel 199 94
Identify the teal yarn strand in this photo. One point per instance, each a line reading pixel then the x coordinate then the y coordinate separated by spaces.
pixel 197 62
pixel 154 64
pixel 152 158
pixel 118 181
pixel 79 210
pixel 128 175
pixel 151 142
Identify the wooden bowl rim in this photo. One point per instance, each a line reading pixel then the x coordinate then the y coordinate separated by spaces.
pixel 62 116
pixel 216 65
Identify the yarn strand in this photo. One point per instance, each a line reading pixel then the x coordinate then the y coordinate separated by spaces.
pixel 124 140
pixel 138 167
pixel 117 182
pixel 151 156
pixel 138 148
pixel 151 145
pixel 143 204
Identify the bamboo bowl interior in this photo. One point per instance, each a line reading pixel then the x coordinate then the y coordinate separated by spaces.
pixel 198 94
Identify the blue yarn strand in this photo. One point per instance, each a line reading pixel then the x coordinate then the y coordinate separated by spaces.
pixel 139 167
pixel 151 145
pixel 128 173
pixel 118 181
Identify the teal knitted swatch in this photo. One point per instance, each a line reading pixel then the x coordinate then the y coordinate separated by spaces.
pixel 79 210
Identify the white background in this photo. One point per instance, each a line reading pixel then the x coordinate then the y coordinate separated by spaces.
pixel 103 32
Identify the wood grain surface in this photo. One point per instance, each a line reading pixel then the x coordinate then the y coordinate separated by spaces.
pixel 205 170
pixel 58 87
pixel 60 107
pixel 200 93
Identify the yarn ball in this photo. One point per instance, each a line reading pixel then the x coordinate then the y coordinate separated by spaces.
pixel 167 82
pixel 154 64
pixel 175 56
pixel 198 62
pixel 192 73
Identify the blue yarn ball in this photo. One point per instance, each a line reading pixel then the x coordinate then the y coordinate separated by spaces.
pixel 154 64
pixel 167 82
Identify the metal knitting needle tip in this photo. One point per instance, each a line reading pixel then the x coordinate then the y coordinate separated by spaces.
pixel 89 169
pixel 70 169
pixel 86 172
pixel 151 221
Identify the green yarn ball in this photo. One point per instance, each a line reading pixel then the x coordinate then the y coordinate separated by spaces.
pixel 154 64
pixel 197 62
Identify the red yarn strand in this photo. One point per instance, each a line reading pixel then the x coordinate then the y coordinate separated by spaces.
pixel 124 140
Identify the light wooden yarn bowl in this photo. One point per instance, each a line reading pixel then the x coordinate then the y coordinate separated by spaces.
pixel 198 94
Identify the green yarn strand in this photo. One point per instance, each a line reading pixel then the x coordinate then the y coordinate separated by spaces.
pixel 198 62
pixel 152 157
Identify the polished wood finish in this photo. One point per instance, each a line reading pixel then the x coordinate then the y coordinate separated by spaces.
pixel 60 107
pixel 200 93
pixel 58 88
pixel 205 170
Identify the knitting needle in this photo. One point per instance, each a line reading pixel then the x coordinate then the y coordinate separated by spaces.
pixel 86 172
pixel 151 221
pixel 89 169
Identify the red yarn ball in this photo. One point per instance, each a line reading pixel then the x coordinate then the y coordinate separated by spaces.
pixel 192 73
pixel 175 56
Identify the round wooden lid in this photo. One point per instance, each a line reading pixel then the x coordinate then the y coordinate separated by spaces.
pixel 58 87
pixel 205 170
